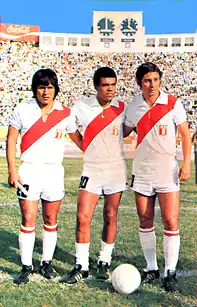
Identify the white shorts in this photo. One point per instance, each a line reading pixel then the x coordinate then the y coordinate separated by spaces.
pixel 44 181
pixel 107 179
pixel 149 185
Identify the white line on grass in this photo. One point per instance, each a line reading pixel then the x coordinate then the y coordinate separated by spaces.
pixel 74 206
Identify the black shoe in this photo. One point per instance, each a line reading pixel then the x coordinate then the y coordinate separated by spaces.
pixel 149 276
pixel 102 270
pixel 23 277
pixel 170 281
pixel 47 270
pixel 75 275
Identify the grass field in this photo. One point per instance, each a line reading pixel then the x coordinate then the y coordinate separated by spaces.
pixel 41 292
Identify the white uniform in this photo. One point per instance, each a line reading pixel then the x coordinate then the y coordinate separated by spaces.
pixel 104 162
pixel 41 169
pixel 155 168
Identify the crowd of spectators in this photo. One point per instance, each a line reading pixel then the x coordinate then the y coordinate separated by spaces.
pixel 19 61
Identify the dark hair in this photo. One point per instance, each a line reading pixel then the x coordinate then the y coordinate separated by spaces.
pixel 44 76
pixel 103 72
pixel 144 69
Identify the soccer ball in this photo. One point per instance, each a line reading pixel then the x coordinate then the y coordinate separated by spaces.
pixel 126 278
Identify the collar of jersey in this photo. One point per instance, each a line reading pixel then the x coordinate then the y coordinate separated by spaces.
pixel 95 102
pixel 162 99
pixel 56 106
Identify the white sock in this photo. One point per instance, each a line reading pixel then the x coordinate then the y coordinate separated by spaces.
pixel 26 244
pixel 82 255
pixel 49 241
pixel 148 243
pixel 106 252
pixel 171 250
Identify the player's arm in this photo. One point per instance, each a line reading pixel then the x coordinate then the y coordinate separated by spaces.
pixel 184 172
pixel 76 137
pixel 128 125
pixel 11 142
pixel 126 130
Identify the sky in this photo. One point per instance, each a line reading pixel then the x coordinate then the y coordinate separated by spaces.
pixel 76 16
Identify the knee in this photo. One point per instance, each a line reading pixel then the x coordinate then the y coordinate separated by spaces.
pixel 50 219
pixel 110 217
pixel 83 220
pixel 170 223
pixel 28 220
pixel 146 222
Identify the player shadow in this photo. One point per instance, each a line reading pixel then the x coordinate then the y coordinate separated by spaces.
pixel 8 247
pixel 137 261
pixel 148 291
pixel 9 253
pixel 145 295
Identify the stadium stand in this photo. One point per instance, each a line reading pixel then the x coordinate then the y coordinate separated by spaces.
pixel 19 60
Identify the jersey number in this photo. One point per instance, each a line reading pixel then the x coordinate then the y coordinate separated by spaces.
pixel 132 181
pixel 20 193
pixel 83 182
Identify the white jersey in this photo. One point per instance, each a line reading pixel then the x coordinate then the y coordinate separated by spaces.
pixel 156 129
pixel 49 146
pixel 102 130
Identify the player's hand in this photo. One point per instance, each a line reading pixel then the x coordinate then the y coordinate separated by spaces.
pixel 13 178
pixel 184 171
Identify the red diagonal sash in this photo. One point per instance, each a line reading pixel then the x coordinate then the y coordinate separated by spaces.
pixel 100 122
pixel 39 128
pixel 148 121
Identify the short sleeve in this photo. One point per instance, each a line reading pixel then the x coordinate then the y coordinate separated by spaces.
pixel 180 115
pixel 128 116
pixel 72 124
pixel 15 120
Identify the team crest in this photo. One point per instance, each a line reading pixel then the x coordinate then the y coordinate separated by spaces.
pixel 59 134
pixel 163 129
pixel 115 131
